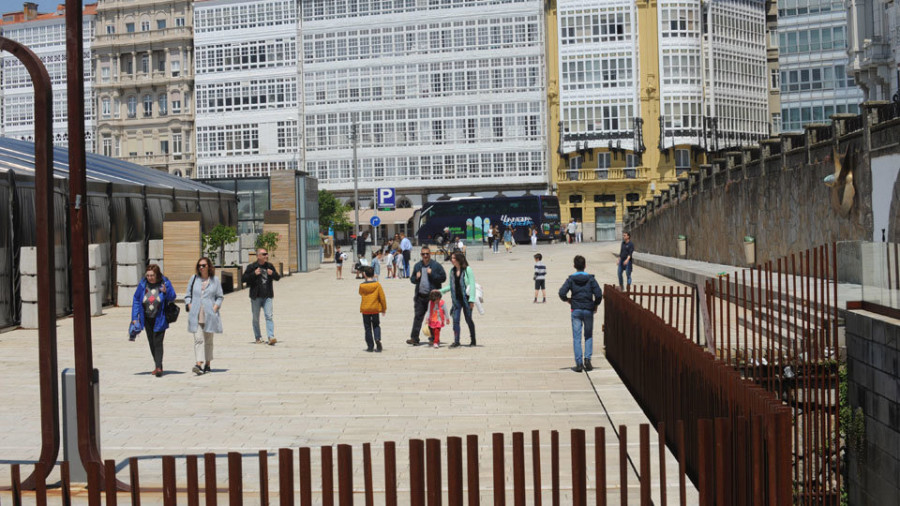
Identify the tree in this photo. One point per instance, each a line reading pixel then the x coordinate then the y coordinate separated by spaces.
pixel 332 213
pixel 214 242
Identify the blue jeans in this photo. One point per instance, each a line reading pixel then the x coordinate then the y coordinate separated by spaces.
pixel 582 318
pixel 627 269
pixel 467 313
pixel 266 304
pixel 372 324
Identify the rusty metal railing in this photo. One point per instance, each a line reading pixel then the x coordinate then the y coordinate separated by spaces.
pixel 430 460
pixel 673 378
pixel 777 325
pixel 674 304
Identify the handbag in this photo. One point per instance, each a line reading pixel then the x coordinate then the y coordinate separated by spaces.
pixel 172 311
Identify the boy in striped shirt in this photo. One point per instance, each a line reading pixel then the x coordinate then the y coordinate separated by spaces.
pixel 540 275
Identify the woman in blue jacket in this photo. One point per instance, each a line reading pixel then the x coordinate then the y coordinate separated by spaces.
pixel 148 311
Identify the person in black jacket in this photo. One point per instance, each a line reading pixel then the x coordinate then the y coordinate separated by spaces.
pixel 586 297
pixel 259 277
pixel 427 276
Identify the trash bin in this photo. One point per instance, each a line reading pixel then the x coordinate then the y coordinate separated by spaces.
pixel 682 246
pixel 750 249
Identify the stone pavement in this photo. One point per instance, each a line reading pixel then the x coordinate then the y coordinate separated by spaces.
pixel 318 386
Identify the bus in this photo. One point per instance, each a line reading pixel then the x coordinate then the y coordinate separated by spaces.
pixel 472 218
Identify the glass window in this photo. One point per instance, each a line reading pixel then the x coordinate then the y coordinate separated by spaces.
pixel 148 105
pixel 132 106
pixel 160 24
pixel 145 26
pixel 129 27
pixel 163 105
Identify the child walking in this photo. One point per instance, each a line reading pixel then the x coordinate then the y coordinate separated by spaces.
pixel 372 303
pixel 540 276
pixel 338 261
pixel 437 316
pixel 376 264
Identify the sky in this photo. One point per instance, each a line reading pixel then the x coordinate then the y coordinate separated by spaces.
pixel 43 5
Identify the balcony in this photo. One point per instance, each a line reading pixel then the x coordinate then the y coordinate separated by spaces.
pixel 159 160
pixel 613 174
pixel 138 38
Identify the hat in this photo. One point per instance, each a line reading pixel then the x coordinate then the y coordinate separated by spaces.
pixel 133 331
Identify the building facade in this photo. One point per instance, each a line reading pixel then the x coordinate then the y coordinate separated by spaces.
pixel 144 83
pixel 874 47
pixel 644 91
pixel 45 34
pixel 447 98
pixel 247 87
pixel 815 77
pixel 773 67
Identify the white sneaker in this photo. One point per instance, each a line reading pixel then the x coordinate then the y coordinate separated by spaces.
pixel 436 345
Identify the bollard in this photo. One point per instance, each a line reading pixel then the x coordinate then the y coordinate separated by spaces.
pixel 77 474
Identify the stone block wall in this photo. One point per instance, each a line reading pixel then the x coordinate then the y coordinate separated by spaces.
pixel 873 366
pixel 774 192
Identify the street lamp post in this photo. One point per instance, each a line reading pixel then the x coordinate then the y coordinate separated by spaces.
pixel 354 137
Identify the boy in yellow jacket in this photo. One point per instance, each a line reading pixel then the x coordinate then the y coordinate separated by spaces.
pixel 373 302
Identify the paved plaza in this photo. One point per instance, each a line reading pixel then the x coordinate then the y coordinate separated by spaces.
pixel 318 386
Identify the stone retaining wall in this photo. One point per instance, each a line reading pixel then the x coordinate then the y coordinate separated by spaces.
pixel 775 193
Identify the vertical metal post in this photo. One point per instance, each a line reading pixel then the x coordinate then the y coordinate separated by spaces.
pixel 86 403
pixel 354 139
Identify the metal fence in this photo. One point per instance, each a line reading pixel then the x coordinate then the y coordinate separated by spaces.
pixel 675 379
pixel 777 325
pixel 297 481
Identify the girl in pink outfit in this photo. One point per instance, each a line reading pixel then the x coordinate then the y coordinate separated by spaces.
pixel 437 316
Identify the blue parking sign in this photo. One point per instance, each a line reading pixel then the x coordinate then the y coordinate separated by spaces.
pixel 386 197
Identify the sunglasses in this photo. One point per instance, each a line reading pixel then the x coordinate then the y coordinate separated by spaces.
pixel 202 265
pixel 426 254
pixel 263 254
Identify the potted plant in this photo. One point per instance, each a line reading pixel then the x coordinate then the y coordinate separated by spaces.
pixel 269 241
pixel 214 247
pixel 214 243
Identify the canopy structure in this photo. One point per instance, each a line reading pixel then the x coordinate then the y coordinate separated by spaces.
pixel 126 203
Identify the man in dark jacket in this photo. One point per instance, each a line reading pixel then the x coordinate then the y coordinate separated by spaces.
pixel 427 276
pixel 259 277
pixel 585 299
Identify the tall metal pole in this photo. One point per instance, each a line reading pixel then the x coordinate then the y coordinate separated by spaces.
pixel 354 138
pixel 85 402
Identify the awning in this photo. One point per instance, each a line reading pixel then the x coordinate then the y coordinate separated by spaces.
pixel 395 217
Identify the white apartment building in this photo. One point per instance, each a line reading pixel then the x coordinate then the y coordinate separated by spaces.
pixel 246 83
pixel 45 34
pixel 874 47
pixel 449 97
pixel 816 81
pixel 705 77
pixel 144 67
pixel 599 67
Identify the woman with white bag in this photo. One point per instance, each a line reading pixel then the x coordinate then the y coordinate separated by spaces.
pixel 203 299
pixel 461 285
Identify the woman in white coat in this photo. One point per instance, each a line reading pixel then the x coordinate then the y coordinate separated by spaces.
pixel 203 299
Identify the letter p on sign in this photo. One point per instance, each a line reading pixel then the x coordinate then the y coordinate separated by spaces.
pixel 386 197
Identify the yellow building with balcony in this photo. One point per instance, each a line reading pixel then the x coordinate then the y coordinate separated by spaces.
pixel 639 91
